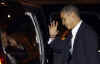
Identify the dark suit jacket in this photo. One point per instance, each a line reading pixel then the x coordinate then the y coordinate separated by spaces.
pixel 85 46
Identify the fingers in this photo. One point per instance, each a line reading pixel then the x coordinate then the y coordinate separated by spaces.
pixel 53 24
pixel 56 24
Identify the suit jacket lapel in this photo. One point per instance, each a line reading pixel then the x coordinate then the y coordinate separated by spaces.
pixel 76 43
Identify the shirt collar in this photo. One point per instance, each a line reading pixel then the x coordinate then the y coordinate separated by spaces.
pixel 75 29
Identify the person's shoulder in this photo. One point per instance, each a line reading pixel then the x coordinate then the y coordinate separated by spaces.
pixel 89 29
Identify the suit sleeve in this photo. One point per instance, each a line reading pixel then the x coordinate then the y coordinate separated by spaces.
pixel 92 44
pixel 52 43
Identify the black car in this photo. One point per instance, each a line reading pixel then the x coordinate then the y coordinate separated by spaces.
pixel 24 35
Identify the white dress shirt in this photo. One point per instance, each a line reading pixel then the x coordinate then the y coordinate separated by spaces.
pixel 74 32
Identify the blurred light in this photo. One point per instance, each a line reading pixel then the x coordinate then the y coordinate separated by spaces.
pixel 98 51
pixel 1 60
pixel 9 16
pixel 4 3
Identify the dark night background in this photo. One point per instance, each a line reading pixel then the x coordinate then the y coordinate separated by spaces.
pixel 89 13
pixel 45 12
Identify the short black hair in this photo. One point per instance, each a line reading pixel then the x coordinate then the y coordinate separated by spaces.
pixel 71 8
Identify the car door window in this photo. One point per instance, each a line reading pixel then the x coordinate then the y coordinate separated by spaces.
pixel 22 40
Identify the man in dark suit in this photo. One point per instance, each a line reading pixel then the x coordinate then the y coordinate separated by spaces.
pixel 83 43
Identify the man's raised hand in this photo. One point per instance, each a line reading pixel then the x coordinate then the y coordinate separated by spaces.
pixel 53 29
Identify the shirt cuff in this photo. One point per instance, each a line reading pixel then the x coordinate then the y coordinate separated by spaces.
pixel 50 40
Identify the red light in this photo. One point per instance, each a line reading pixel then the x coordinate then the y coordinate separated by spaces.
pixel 1 60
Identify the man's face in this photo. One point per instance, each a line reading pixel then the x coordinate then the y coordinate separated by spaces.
pixel 67 20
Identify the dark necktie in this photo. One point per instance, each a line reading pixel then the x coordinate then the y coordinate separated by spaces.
pixel 68 47
pixel 68 43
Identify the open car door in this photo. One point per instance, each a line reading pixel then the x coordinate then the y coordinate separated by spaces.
pixel 23 43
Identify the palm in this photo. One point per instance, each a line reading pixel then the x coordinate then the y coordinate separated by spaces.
pixel 53 29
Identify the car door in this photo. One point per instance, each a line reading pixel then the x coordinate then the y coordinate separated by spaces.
pixel 22 41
